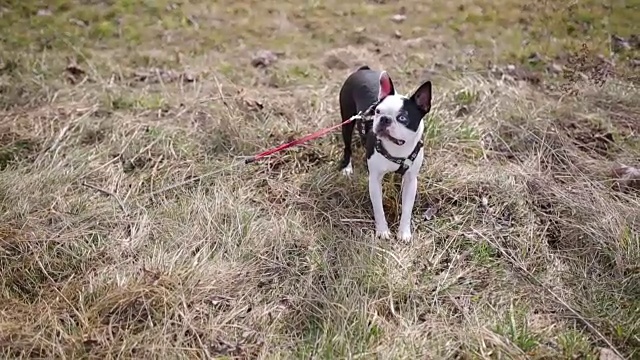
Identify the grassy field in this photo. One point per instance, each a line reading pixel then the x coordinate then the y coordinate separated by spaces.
pixel 129 228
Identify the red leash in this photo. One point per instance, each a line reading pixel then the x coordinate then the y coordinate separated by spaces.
pixel 312 136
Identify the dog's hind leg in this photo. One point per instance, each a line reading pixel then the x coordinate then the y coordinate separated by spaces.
pixel 347 110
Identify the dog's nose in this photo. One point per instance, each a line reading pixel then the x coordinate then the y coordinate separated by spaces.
pixel 385 120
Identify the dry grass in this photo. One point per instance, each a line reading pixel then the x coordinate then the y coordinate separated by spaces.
pixel 129 229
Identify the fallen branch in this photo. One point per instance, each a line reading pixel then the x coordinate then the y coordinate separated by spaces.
pixel 533 279
pixel 109 193
pixel 194 179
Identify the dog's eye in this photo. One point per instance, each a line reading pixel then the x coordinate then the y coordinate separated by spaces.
pixel 402 118
pixel 377 111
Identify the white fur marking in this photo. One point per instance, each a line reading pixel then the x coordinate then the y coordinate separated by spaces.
pixel 409 189
pixel 348 170
pixel 375 194
pixel 379 165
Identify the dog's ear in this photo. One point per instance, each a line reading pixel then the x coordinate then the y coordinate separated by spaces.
pixel 386 86
pixel 422 97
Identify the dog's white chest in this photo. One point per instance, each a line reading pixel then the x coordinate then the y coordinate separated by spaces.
pixel 377 163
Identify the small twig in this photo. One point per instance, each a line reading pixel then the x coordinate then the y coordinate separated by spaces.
pixel 391 254
pixel 221 94
pixel 118 156
pixel 55 288
pixel 532 279
pixel 193 179
pixel 357 221
pixel 154 171
pixel 55 144
pixel 144 149
pixel 86 60
pixel 56 141
pixel 107 192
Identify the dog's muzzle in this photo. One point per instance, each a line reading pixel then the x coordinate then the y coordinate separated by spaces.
pixel 382 130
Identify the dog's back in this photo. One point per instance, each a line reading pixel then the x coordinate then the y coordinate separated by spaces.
pixel 359 91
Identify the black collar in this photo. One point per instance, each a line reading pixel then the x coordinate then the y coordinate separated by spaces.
pixel 404 163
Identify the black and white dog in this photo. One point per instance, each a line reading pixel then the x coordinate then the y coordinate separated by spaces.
pixel 393 141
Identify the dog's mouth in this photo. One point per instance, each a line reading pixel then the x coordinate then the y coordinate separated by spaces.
pixel 385 134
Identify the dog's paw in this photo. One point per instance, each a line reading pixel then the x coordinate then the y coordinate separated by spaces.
pixel 347 170
pixel 404 235
pixel 384 235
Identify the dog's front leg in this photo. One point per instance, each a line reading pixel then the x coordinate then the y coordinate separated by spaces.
pixel 375 193
pixel 409 189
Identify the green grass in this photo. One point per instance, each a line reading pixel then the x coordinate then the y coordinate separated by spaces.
pixel 128 230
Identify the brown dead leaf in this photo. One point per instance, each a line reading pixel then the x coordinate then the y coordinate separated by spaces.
pixel 626 177
pixel 430 212
pixel 155 75
pixel 608 354
pixel 78 22
pixel 264 58
pixel 253 104
pixel 74 72
pixel 619 43
pixel 521 73
pixel 398 18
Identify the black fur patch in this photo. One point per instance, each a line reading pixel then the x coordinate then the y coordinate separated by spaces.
pixel 414 113
pixel 370 145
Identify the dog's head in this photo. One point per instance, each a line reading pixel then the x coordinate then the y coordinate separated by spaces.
pixel 398 117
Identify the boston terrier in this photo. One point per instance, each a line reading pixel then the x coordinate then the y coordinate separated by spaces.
pixel 393 141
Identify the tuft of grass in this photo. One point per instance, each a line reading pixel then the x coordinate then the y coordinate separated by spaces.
pixel 514 326
pixel 129 228
pixel 466 97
